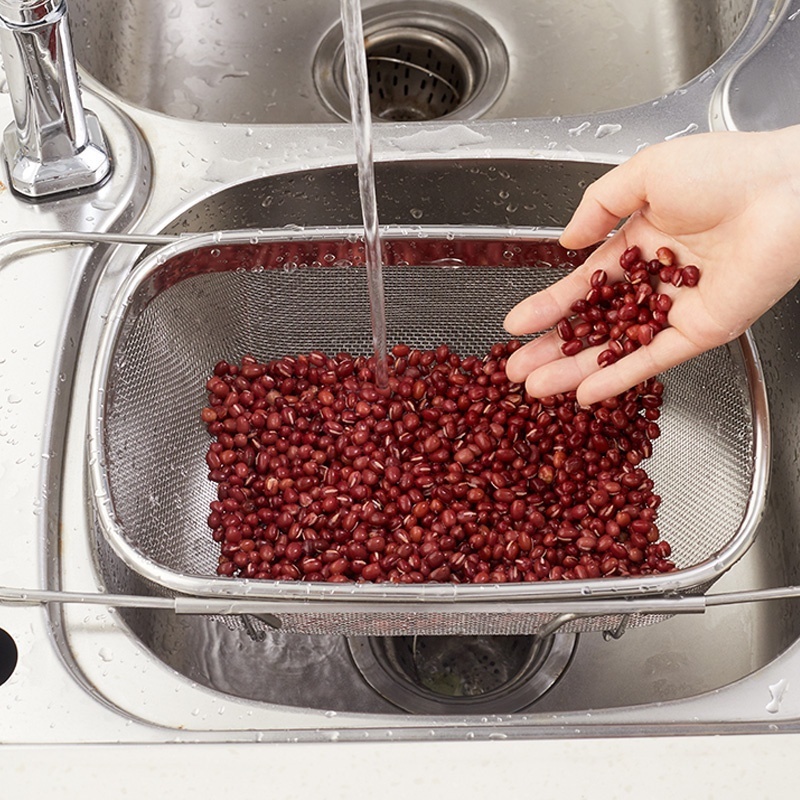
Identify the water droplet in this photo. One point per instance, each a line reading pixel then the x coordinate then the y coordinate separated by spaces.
pixel 416 213
pixel 776 690
pixel 607 129
pixel 579 129
pixel 690 128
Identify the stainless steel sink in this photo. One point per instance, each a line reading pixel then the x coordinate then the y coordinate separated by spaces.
pixel 144 676
pixel 675 660
pixel 252 62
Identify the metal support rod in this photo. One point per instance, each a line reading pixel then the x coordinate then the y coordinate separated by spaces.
pixel 80 237
pixel 188 604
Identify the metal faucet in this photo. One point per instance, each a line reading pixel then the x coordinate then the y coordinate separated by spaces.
pixel 54 145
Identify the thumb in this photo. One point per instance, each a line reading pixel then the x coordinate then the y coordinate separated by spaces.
pixel 615 195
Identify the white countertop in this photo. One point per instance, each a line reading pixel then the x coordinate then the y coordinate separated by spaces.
pixel 732 767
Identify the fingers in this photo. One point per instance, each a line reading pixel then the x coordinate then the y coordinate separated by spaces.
pixel 669 348
pixel 533 355
pixel 544 309
pixel 615 195
pixel 593 384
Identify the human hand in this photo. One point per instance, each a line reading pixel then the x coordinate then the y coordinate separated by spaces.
pixel 727 202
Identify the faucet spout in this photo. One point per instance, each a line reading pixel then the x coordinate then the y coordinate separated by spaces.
pixel 54 145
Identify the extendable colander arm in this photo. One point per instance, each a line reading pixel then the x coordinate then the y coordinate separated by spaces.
pixel 53 145
pixel 269 611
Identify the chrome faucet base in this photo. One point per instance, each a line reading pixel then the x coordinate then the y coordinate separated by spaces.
pixel 84 169
pixel 54 145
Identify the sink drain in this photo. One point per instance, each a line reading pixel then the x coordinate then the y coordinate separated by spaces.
pixel 462 674
pixel 424 61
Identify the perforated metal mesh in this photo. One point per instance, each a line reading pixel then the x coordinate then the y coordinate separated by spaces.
pixel 409 82
pixel 184 318
pixel 424 623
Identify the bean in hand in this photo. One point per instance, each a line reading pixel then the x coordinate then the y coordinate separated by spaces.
pixel 627 314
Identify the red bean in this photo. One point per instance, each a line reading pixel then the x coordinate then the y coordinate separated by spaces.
pixel 630 257
pixel 294 550
pixel 517 510
pixel 691 275
pixel 665 256
pixel 372 571
pixel 564 330
pixel 572 347
pixel 599 278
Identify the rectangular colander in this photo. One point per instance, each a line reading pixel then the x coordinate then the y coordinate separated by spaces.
pixel 269 294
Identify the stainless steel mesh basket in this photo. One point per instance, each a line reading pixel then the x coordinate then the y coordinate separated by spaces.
pixel 224 295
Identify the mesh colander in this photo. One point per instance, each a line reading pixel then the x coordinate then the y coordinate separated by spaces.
pixel 224 295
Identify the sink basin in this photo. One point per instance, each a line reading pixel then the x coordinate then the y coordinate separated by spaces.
pixel 681 661
pixel 251 62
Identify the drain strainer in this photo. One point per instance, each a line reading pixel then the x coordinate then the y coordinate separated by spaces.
pixel 425 60
pixel 462 674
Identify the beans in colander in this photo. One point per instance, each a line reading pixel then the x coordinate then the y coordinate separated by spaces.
pixel 453 473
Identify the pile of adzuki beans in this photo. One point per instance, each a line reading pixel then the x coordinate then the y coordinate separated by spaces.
pixel 453 474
